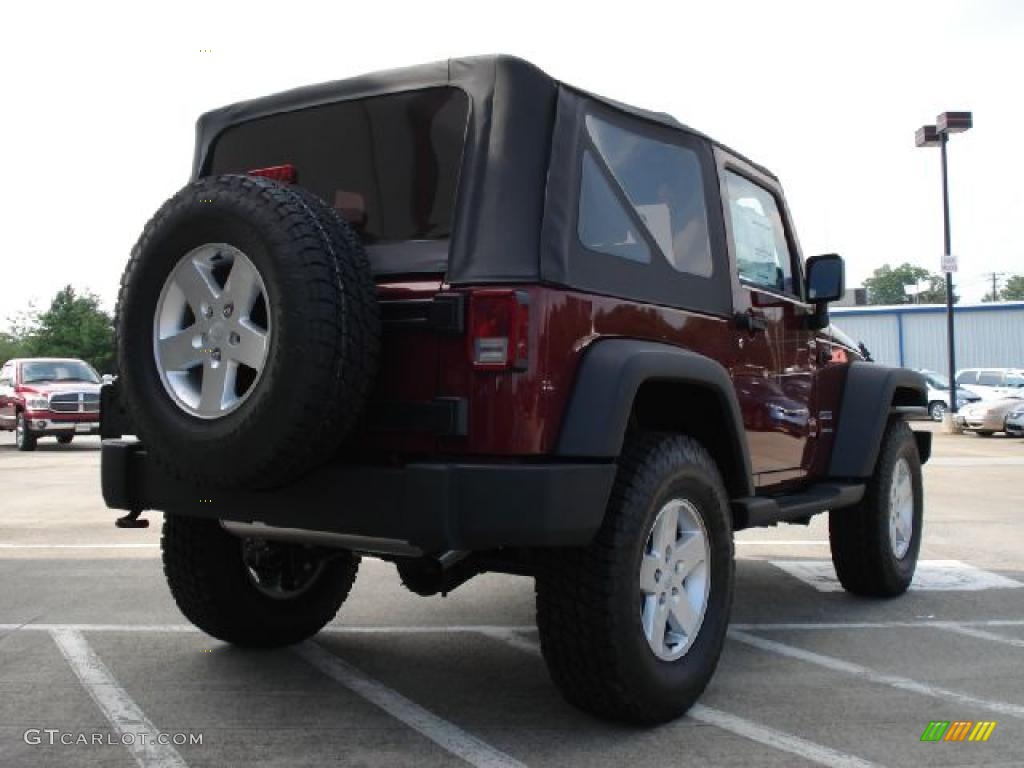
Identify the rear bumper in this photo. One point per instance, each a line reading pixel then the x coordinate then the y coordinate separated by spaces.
pixel 433 507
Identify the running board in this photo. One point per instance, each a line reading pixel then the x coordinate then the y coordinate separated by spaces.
pixel 760 511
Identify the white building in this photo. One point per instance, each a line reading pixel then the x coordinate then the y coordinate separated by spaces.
pixel 914 336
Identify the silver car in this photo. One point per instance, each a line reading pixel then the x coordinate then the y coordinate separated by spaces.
pixel 938 394
pixel 1015 421
pixel 986 417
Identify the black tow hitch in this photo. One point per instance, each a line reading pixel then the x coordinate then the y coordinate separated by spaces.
pixel 131 520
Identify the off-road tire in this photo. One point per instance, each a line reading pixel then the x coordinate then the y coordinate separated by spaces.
pixel 323 350
pixel 860 535
pixel 588 598
pixel 24 440
pixel 211 585
pixel 65 439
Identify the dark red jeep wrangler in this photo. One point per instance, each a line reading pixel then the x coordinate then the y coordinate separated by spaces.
pixel 467 318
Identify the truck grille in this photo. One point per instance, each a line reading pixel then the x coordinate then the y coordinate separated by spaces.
pixel 75 402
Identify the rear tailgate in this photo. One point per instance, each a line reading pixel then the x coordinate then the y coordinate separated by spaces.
pixel 406 414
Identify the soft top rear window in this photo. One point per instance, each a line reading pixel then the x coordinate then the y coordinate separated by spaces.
pixel 389 164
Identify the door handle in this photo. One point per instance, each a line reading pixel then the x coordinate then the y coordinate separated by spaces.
pixel 751 322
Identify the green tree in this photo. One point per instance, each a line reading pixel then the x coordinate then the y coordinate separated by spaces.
pixel 886 285
pixel 16 340
pixel 1014 289
pixel 74 326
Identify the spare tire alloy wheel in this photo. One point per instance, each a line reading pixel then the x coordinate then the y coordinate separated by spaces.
pixel 247 333
pixel 211 330
pixel 674 580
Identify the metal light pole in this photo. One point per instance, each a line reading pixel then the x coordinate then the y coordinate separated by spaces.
pixel 938 135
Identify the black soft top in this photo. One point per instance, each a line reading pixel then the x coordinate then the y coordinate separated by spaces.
pixel 515 219
pixel 478 75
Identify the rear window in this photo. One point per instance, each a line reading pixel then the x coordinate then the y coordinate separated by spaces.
pixel 389 164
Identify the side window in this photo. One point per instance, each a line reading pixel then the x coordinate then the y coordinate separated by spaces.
pixel 664 185
pixel 967 377
pixel 990 378
pixel 763 259
pixel 604 224
pixel 7 375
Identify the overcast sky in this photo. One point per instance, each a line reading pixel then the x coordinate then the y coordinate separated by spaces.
pixel 99 108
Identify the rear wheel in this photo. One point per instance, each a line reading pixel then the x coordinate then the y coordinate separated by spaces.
pixel 24 440
pixel 937 410
pixel 985 432
pixel 875 544
pixel 632 626
pixel 252 592
pixel 65 439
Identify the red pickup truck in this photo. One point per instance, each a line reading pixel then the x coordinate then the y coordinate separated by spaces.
pixel 49 396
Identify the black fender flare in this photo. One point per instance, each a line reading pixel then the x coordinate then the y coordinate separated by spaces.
pixel 608 378
pixel 869 402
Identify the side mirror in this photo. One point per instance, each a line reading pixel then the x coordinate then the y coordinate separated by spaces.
pixel 825 281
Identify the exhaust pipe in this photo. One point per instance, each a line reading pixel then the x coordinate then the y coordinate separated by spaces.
pixel 365 544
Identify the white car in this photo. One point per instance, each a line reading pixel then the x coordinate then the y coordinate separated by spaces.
pixel 938 394
pixel 992 382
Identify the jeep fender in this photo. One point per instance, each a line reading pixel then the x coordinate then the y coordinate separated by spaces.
pixel 611 373
pixel 872 396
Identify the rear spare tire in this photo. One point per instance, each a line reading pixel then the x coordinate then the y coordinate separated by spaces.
pixel 247 332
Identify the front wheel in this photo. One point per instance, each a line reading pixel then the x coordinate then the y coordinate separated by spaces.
pixel 632 626
pixel 252 592
pixel 23 439
pixel 65 439
pixel 875 544
pixel 937 410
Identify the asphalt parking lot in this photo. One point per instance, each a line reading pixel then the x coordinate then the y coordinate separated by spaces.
pixel 91 643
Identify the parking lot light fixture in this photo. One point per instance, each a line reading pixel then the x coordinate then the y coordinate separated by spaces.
pixel 938 136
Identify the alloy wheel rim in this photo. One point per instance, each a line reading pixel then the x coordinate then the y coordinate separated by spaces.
pixel 211 330
pixel 675 580
pixel 901 509
pixel 19 430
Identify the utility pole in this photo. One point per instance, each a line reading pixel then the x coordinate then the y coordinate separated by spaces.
pixel 995 284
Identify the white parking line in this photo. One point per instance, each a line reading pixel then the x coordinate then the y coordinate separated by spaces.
pixel 748 729
pixel 79 546
pixel 931 575
pixel 874 676
pixel 340 630
pixel 128 719
pixel 782 542
pixel 976 461
pixel 443 733
pixel 770 737
pixel 836 625
pixel 981 634
pixel 506 630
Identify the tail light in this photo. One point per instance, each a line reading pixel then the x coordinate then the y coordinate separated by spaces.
pixel 499 330
pixel 286 174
